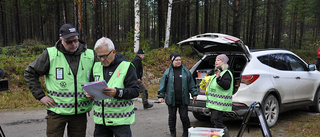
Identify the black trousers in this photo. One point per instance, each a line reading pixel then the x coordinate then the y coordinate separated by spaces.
pixel 183 111
pixel 216 118
pixel 318 64
pixel 112 131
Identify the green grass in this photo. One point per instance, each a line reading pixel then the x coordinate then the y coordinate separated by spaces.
pixel 15 59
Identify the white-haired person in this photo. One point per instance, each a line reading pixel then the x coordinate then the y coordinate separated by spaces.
pixel 219 92
pixel 113 116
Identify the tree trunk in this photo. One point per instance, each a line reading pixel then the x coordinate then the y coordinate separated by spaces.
pixel 227 17
pixel 96 25
pixel 206 16
pixel 75 14
pixel 253 24
pixel 278 24
pixel 80 18
pixel 295 24
pixel 160 21
pixel 188 17
pixel 65 12
pixel 86 25
pixel 236 19
pixel 147 26
pixel 266 44
pixel 17 21
pixel 108 19
pixel 57 18
pixel 137 25
pixel 302 23
pixel 166 44
pixel 220 16
pixel 196 24
pixel 3 25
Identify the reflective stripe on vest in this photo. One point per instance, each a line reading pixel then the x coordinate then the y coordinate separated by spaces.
pixel 65 88
pixel 217 97
pixel 113 112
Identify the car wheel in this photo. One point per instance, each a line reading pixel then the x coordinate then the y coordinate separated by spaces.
pixel 199 116
pixel 271 110
pixel 316 101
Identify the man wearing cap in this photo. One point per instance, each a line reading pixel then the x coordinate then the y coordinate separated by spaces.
pixel 175 86
pixel 66 67
pixel 137 62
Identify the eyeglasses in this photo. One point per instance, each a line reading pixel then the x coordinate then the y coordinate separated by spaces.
pixel 104 56
pixel 71 41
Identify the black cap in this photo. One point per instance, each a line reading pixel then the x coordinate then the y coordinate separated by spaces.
pixel 174 55
pixel 140 51
pixel 67 30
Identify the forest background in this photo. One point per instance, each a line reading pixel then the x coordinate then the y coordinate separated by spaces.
pixel 288 24
pixel 29 26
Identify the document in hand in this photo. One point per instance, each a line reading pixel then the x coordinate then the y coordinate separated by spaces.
pixel 95 89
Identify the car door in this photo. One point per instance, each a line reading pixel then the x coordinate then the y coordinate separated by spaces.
pixel 305 83
pixel 282 77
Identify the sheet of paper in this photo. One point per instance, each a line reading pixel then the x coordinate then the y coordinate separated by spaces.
pixel 95 89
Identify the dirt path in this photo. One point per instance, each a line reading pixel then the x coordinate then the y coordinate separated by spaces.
pixel 149 123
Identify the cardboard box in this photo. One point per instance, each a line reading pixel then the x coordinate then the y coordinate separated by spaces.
pixel 205 132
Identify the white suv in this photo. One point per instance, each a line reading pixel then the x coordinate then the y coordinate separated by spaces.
pixel 278 79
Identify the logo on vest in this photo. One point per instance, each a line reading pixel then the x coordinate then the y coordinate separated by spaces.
pixel 96 77
pixel 63 84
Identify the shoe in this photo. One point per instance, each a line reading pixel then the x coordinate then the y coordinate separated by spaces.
pixel 146 106
pixel 226 132
pixel 135 109
pixel 185 134
pixel 173 133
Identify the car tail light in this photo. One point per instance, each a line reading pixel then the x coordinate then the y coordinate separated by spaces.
pixel 248 79
pixel 239 104
pixel 232 38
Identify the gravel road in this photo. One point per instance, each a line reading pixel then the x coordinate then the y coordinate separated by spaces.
pixel 149 123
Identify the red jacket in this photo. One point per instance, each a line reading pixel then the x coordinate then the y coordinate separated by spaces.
pixel 318 53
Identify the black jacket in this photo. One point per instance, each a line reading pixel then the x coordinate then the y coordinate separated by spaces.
pixel 137 62
pixel 41 66
pixel 131 89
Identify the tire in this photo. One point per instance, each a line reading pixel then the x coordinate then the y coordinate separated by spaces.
pixel 199 116
pixel 316 102
pixel 271 110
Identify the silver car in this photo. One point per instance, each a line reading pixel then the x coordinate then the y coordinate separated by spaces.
pixel 276 78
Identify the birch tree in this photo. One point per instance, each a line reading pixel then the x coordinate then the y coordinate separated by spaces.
pixel 137 25
pixel 166 43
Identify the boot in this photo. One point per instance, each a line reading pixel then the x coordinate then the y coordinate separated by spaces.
pixel 185 133
pixel 226 132
pixel 147 105
pixel 172 133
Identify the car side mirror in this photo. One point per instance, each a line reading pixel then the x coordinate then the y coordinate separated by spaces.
pixel 312 67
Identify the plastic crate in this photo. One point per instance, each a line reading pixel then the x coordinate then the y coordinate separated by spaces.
pixel 203 72
pixel 205 132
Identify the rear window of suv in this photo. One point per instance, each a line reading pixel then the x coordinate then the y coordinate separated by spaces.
pixel 282 61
